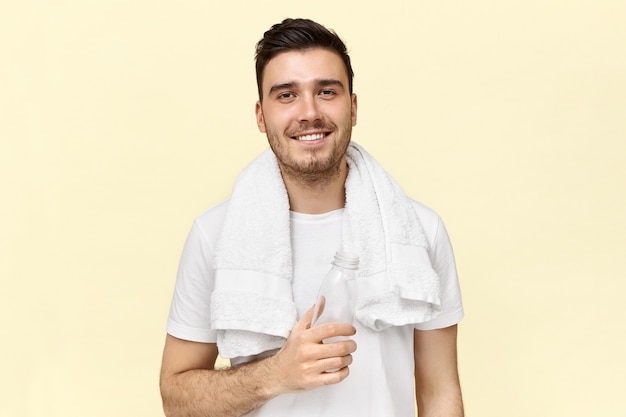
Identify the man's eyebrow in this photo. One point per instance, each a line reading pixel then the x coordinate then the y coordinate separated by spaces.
pixel 329 82
pixel 282 86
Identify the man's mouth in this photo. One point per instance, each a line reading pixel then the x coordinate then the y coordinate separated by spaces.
pixel 311 137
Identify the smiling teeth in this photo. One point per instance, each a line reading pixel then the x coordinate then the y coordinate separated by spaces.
pixel 311 137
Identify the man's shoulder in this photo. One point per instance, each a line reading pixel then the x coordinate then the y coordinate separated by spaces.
pixel 217 211
pixel 211 220
pixel 425 213
pixel 428 218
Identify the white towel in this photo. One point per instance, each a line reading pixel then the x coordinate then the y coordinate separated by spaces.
pixel 252 304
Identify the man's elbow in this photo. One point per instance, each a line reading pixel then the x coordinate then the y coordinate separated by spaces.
pixel 167 400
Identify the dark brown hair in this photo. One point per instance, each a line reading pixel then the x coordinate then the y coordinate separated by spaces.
pixel 297 34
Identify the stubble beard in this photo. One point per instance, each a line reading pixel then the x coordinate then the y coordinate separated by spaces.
pixel 315 171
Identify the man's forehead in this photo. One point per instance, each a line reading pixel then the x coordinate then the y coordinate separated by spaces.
pixel 304 66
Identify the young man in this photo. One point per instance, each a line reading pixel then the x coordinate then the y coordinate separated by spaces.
pixel 252 265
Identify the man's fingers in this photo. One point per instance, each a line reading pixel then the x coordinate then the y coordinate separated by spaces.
pixel 328 330
pixel 305 321
pixel 318 309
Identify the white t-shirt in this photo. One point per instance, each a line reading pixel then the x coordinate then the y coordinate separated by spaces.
pixel 381 376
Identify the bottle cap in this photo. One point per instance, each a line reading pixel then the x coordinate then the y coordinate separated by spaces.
pixel 346 260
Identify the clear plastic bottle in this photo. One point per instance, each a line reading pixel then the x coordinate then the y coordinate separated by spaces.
pixel 336 298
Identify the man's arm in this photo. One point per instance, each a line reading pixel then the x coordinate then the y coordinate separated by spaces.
pixel 437 386
pixel 191 387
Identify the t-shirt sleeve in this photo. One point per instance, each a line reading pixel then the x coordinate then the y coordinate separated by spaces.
pixel 442 259
pixel 189 316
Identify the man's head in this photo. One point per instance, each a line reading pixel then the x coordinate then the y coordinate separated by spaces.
pixel 298 34
pixel 306 105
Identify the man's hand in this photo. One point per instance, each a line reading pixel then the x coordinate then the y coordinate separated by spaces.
pixel 305 362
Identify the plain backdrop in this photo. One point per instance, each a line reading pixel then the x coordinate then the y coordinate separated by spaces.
pixel 121 121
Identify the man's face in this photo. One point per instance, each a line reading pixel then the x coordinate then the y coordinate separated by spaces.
pixel 307 112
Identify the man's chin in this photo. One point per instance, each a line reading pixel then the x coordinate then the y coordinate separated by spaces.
pixel 312 172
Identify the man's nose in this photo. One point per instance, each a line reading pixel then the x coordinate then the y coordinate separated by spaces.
pixel 309 109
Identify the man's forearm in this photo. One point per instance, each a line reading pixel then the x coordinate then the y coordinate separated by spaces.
pixel 220 393
pixel 442 407
pixel 190 387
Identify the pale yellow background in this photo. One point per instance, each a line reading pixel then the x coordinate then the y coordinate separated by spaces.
pixel 120 121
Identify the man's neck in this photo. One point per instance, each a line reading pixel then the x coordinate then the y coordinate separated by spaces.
pixel 317 197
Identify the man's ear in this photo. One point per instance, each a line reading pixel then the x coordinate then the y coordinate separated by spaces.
pixel 260 120
pixel 354 106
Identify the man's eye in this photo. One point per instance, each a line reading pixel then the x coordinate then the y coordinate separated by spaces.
pixel 327 93
pixel 285 96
